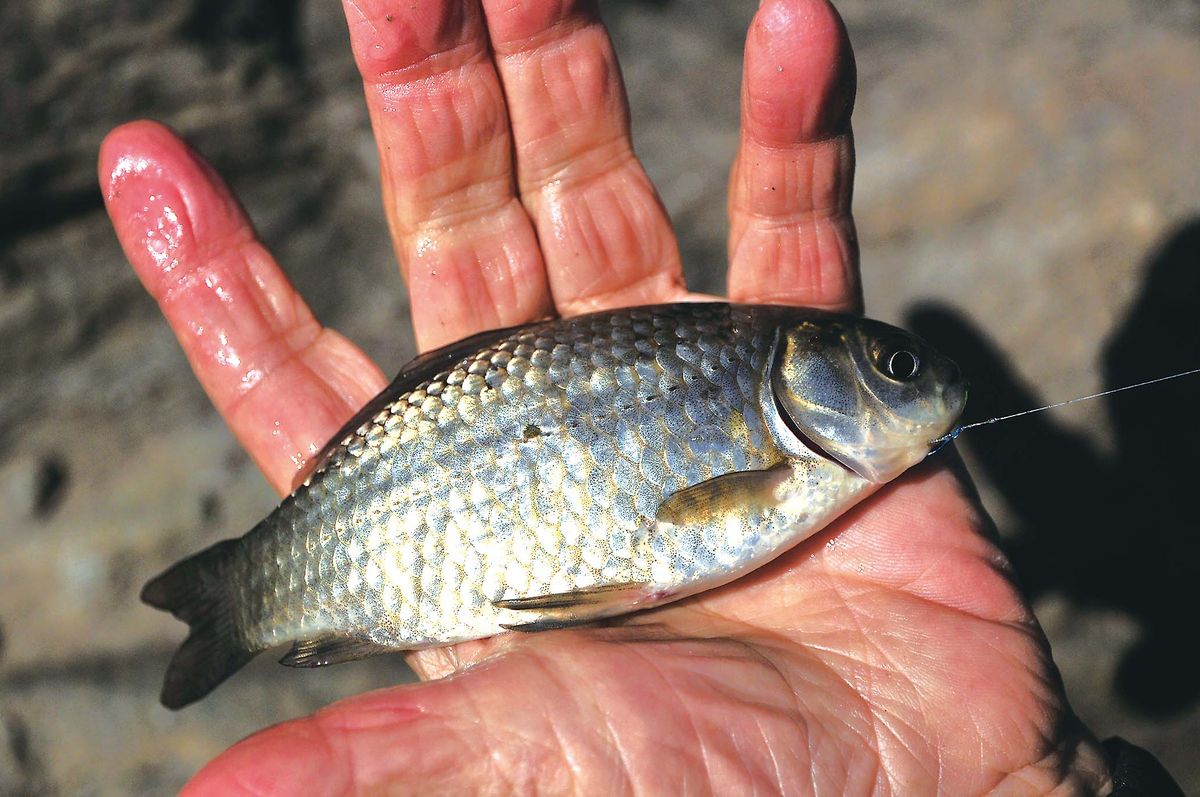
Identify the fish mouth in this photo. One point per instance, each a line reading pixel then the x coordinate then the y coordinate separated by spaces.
pixel 959 391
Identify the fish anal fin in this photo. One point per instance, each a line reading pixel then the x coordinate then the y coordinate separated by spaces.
pixel 331 650
pixel 544 624
pixel 564 609
pixel 737 492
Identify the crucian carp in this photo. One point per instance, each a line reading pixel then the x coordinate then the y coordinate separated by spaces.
pixel 563 472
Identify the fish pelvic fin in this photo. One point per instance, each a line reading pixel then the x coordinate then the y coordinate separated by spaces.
pixel 332 650
pixel 197 591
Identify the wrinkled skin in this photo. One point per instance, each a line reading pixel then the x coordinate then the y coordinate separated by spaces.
pixel 890 654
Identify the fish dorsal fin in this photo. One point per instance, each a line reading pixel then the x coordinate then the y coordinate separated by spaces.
pixel 332 650
pixel 562 609
pixel 418 370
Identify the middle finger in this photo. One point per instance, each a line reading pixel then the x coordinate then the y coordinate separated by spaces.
pixel 465 243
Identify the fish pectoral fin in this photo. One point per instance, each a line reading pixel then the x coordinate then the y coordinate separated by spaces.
pixel 717 497
pixel 331 650
pixel 563 609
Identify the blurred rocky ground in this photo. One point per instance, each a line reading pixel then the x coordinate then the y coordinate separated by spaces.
pixel 1028 197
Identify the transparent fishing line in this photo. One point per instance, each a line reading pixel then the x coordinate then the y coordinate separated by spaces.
pixel 940 442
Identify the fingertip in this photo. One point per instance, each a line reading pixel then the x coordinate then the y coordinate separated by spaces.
pixel 388 37
pixel 162 197
pixel 144 139
pixel 799 73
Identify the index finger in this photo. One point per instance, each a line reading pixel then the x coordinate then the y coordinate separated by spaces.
pixel 283 383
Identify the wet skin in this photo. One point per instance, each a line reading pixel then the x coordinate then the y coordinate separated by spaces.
pixel 891 653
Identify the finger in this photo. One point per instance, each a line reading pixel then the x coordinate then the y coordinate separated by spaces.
pixel 385 741
pixel 791 237
pixel 407 740
pixel 465 244
pixel 558 713
pixel 282 382
pixel 604 233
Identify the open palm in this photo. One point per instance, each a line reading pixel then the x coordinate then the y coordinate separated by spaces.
pixel 891 653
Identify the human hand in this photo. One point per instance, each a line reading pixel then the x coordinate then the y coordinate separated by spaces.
pixel 892 652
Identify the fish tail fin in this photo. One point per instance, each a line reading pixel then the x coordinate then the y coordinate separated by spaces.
pixel 197 591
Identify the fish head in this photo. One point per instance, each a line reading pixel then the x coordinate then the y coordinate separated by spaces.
pixel 870 396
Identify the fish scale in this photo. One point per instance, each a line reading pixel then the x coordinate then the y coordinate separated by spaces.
pixel 557 473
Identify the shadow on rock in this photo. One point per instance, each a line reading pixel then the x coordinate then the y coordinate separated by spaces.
pixel 1117 532
pixel 275 23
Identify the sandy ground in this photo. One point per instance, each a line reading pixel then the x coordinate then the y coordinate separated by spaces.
pixel 1028 197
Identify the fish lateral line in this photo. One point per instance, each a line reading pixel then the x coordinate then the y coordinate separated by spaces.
pixel 939 443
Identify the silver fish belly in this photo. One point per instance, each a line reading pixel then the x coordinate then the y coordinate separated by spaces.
pixel 529 478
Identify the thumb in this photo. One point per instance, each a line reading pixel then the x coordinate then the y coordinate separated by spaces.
pixel 500 722
pixel 410 739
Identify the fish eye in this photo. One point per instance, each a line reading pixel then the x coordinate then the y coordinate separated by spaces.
pixel 900 362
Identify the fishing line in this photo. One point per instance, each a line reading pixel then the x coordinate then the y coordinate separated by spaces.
pixel 942 441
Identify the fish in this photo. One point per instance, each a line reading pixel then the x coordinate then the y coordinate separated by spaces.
pixel 560 473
